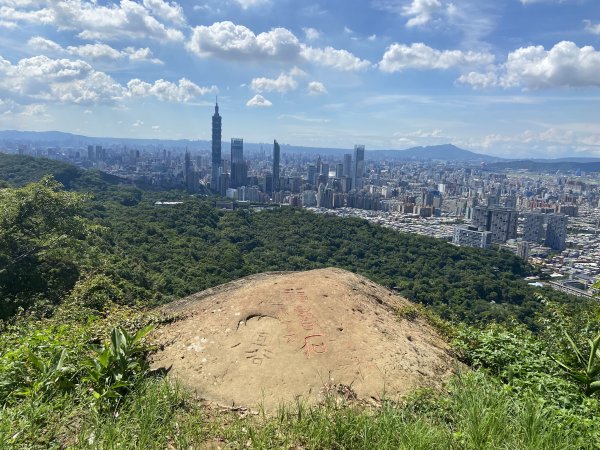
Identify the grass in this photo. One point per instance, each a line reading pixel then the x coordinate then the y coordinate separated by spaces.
pixel 475 413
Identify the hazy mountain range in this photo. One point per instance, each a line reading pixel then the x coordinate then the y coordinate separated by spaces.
pixel 446 152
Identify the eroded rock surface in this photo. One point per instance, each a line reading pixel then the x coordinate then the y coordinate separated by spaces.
pixel 271 338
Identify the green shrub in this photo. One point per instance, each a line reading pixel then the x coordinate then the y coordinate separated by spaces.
pixel 116 366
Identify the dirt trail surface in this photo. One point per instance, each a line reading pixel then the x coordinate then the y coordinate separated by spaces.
pixel 272 338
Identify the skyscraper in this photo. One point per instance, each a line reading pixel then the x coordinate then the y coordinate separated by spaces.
pixel 188 173
pixel 276 156
pixel 358 166
pixel 216 149
pixel 347 165
pixel 238 165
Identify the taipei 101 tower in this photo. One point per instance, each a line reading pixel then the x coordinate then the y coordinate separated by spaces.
pixel 216 149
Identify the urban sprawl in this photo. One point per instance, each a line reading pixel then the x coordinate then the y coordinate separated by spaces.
pixel 549 219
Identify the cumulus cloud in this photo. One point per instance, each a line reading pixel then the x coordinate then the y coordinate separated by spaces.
pixel 590 27
pixel 258 101
pixel 169 11
pixel 334 58
pixel 479 80
pixel 93 52
pixel 316 88
pixel 533 67
pixel 43 79
pixel 13 13
pixel 61 80
pixel 166 91
pixel 230 41
pixel 125 20
pixel 45 45
pixel 421 11
pixel 283 83
pixel 399 57
pixel 227 40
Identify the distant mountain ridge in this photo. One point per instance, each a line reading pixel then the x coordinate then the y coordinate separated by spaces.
pixel 444 152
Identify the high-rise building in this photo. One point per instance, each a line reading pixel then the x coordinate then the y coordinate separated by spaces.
pixel 311 174
pixel 276 157
pixel 470 236
pixel 556 231
pixel 358 166
pixel 238 165
pixel 216 150
pixel 347 165
pixel 188 173
pixel 549 229
pixel 339 170
pixel 502 222
pixel 533 227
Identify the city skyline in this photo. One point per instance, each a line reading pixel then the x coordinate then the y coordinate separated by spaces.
pixel 513 79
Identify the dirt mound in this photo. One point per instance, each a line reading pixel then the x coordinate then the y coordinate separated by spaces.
pixel 271 338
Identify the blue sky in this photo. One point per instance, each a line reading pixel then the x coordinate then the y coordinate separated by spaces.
pixel 509 77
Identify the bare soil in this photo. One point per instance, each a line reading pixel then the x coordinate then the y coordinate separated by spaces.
pixel 274 338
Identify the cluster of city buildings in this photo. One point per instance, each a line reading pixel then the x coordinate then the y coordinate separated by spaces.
pixel 551 219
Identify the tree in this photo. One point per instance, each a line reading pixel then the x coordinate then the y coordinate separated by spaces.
pixel 41 232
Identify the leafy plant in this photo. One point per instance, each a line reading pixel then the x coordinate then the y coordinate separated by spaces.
pixel 587 373
pixel 117 365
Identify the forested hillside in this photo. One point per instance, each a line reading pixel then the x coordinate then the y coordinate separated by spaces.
pixel 81 263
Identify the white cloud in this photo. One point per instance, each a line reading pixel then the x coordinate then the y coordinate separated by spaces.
pixel 283 83
pixel 316 88
pixel 94 52
pixel 230 41
pixel 564 65
pixel 141 54
pixel 8 25
pixel 334 58
pixel 125 20
pixel 14 14
pixel 311 34
pixel 137 123
pixel 479 80
pixel 43 44
pixel 42 79
pixel 258 101
pixel 169 11
pixel 227 40
pixel 61 80
pixel 372 37
pixel 399 57
pixel 593 28
pixel 167 91
pixel 421 11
